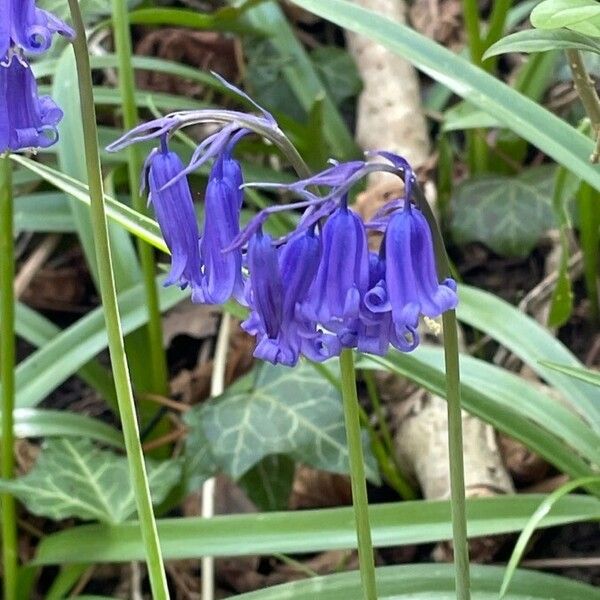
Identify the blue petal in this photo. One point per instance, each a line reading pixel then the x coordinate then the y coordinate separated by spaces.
pixel 344 269
pixel 33 28
pixel 26 121
pixel 222 271
pixel 266 289
pixel 176 217
pixel 298 264
pixel 411 276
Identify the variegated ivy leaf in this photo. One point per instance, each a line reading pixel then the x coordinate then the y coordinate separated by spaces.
pixel 74 478
pixel 508 214
pixel 295 412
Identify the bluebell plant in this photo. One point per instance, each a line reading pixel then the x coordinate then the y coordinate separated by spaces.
pixel 318 289
pixel 26 119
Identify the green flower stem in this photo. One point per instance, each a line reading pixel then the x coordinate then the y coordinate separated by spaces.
pixel 135 455
pixel 588 95
pixel 455 453
pixel 497 22
pixel 455 439
pixel 357 475
pixel 384 452
pixel 476 146
pixel 156 353
pixel 473 29
pixel 589 235
pixel 7 377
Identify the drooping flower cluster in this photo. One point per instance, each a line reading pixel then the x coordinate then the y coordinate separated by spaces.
pixel 317 290
pixel 26 119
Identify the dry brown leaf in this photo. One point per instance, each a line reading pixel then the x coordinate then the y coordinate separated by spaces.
pixel 206 50
pixel 195 320
pixel 319 489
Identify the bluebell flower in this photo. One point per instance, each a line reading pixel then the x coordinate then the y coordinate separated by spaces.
pixel 343 275
pixel 221 271
pixel 28 27
pixel 411 278
pixel 316 290
pixel 26 119
pixel 265 299
pixel 280 282
pixel 176 217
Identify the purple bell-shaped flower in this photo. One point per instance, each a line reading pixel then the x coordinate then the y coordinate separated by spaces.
pixel 176 217
pixel 222 271
pixel 412 283
pixel 26 120
pixel 265 298
pixel 24 25
pixel 343 275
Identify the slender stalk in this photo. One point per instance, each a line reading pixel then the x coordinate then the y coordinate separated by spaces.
pixel 7 377
pixel 455 438
pixel 497 21
pixel 217 385
pixel 496 27
pixel 588 95
pixel 106 280
pixel 455 451
pixel 589 236
pixel 357 475
pixel 477 151
pixel 473 29
pixel 156 353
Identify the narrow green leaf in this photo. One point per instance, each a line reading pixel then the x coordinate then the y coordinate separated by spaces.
pixel 34 422
pixel 61 357
pixel 587 375
pixel 72 163
pixel 38 330
pixel 489 392
pixel 129 219
pixel 428 582
pixel 543 509
pixel 65 581
pixel 534 40
pixel 106 96
pixel 73 478
pixel 561 302
pixel 589 240
pixel 516 112
pixel 43 211
pixel 225 19
pixel 465 116
pixel 393 524
pixel 531 342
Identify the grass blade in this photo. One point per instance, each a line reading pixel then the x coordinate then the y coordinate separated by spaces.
pixel 392 524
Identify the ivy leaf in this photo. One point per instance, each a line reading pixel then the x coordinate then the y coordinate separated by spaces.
pixel 74 478
pixel 199 463
pixel 338 72
pixel 269 483
pixel 265 77
pixel 285 411
pixel 508 214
